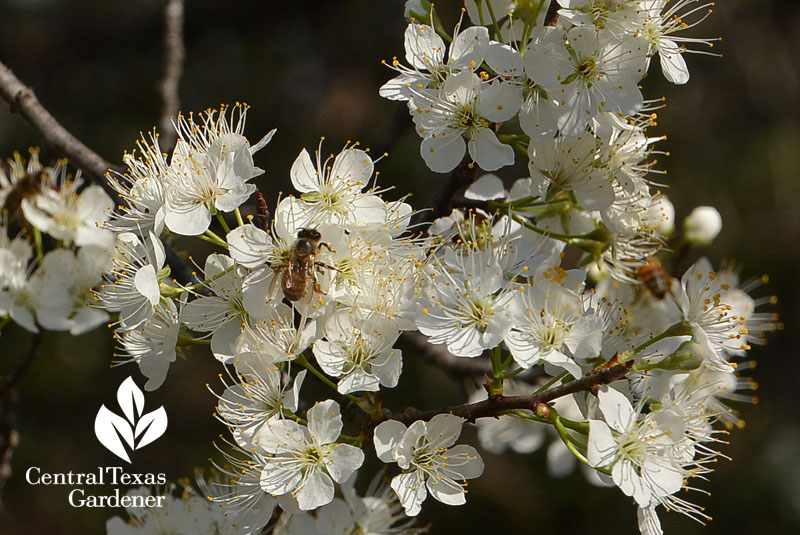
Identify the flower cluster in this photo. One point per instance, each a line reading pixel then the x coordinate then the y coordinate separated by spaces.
pixel 52 289
pixel 558 278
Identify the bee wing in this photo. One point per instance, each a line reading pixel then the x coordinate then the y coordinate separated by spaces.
pixel 291 273
pixel 312 286
pixel 275 284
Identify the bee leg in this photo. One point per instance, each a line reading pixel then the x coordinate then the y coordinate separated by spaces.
pixel 327 246
pixel 312 278
pixel 326 266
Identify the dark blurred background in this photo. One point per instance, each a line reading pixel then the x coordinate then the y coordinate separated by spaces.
pixel 312 68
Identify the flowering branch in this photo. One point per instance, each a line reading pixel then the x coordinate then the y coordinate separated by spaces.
pixel 353 277
pixel 495 405
pixel 174 54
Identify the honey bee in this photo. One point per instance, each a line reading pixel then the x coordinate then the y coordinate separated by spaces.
pixel 655 278
pixel 27 187
pixel 298 269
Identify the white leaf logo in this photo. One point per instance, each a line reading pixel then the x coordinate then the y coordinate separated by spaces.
pixel 114 431
pixel 130 399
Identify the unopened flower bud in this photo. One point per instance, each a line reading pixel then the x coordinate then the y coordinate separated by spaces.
pixel 417 9
pixel 702 225
pixel 163 273
pixel 689 356
pixel 543 411
pixel 661 215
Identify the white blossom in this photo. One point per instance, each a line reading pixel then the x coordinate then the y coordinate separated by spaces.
pixel 359 351
pixel 132 286
pixel 209 169
pixel 151 344
pixel 596 73
pixel 466 106
pixel 430 462
pixel 702 225
pixel 430 63
pixel 305 461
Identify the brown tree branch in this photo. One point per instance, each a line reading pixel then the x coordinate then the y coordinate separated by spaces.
pixel 174 54
pixel 464 174
pixel 22 100
pixel 495 405
pixel 9 437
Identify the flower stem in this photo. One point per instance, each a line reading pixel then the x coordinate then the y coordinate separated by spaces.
pixel 209 236
pixel 239 220
pixel 569 441
pixel 303 361
pixel 187 340
pixel 224 223
pixel 567 238
pixel 580 427
pixel 551 382
pixel 169 291
pixel 37 242
pixel 494 22
pixel 677 329
pixel 353 440
pixel 292 416
pixel 496 388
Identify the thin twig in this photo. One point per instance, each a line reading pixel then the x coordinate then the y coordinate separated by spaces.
pixel 9 437
pixel 22 100
pixel 495 405
pixel 174 54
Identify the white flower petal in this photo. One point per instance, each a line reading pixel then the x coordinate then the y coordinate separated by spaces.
pixel 304 174
pixel 443 150
pixel 317 491
pixel 325 421
pixel 386 437
pixel 410 489
pixel 343 461
pixel 488 152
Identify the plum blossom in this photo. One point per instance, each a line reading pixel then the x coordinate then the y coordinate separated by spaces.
pixel 430 63
pixel 332 192
pixel 429 460
pixel 467 106
pixel 305 461
pixel 587 72
pixel 151 344
pixel 550 323
pixel 359 351
pixel 209 169
pixel 258 394
pixel 132 283
pixel 465 304
pixel 224 313
pixel 66 214
pixel 638 451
